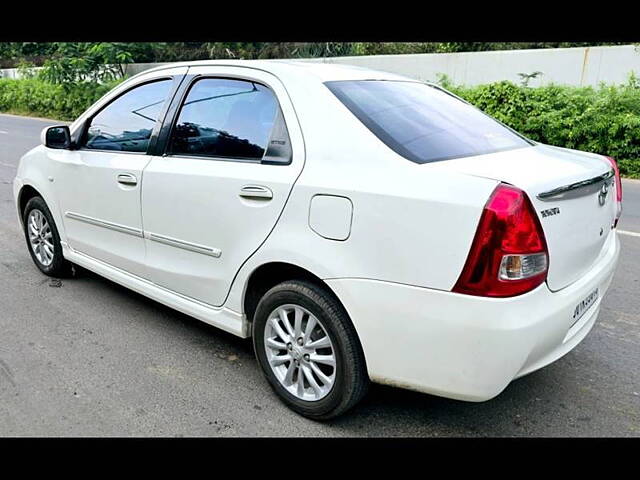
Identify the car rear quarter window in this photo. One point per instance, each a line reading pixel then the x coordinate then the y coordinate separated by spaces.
pixel 423 123
pixel 126 123
pixel 226 118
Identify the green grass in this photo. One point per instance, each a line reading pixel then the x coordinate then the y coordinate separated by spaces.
pixel 37 98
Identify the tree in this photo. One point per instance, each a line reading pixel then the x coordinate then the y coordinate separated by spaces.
pixel 94 62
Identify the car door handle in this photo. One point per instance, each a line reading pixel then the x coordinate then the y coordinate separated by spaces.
pixel 127 179
pixel 256 191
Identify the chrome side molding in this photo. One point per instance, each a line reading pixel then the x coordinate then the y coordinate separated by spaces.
pixel 104 224
pixel 577 189
pixel 172 242
pixel 192 247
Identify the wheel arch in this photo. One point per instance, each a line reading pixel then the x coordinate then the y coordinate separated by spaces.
pixel 270 274
pixel 27 192
pixel 30 189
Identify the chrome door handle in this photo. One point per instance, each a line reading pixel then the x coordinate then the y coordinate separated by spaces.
pixel 256 191
pixel 127 179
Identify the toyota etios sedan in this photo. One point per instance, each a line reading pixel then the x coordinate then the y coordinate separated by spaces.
pixel 359 225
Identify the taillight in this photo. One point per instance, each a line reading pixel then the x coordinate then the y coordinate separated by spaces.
pixel 614 164
pixel 509 253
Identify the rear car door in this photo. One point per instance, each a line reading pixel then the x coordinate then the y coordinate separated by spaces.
pixel 233 153
pixel 98 185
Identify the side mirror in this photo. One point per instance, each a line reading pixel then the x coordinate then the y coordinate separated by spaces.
pixel 56 137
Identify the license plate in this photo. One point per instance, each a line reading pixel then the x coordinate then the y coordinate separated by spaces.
pixel 584 305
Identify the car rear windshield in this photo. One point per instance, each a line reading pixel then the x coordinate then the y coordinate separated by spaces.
pixel 424 123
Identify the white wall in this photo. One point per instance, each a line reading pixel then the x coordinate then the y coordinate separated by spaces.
pixel 9 73
pixel 570 66
pixel 130 69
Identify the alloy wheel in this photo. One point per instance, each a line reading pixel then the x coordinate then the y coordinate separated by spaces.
pixel 40 237
pixel 300 352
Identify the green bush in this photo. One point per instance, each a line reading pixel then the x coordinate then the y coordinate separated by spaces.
pixel 38 98
pixel 604 120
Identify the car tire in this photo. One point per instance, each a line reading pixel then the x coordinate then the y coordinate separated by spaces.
pixel 334 389
pixel 48 257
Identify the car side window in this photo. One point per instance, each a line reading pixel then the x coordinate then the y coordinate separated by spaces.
pixel 126 123
pixel 230 118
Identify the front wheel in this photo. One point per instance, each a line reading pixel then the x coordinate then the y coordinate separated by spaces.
pixel 309 350
pixel 43 239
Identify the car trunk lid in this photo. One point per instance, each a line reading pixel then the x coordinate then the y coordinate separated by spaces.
pixel 566 189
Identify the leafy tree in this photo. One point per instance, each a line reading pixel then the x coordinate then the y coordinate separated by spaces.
pixel 93 62
pixel 11 53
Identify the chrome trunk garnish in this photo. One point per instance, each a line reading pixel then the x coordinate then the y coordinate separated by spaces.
pixel 577 189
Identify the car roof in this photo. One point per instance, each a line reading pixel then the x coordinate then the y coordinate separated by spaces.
pixel 318 70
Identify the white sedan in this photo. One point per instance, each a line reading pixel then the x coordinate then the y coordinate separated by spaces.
pixel 359 225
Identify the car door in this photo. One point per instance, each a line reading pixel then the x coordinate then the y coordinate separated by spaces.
pixel 233 153
pixel 98 184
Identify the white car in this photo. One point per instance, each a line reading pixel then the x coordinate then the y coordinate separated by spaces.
pixel 359 225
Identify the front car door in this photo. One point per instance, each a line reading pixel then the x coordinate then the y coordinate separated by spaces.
pixel 98 184
pixel 233 152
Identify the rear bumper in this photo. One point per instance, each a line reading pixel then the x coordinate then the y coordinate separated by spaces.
pixel 467 347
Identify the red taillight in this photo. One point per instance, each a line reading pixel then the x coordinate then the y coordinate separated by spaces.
pixel 509 254
pixel 614 164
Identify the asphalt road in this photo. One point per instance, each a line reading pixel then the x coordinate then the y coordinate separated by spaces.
pixel 91 358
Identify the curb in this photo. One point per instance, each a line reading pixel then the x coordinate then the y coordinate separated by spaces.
pixel 61 122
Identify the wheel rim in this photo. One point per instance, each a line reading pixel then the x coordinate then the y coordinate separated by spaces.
pixel 300 352
pixel 40 237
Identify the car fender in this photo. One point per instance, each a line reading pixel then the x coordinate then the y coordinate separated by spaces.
pixel 34 170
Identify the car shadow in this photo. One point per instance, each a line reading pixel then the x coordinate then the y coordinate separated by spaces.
pixel 163 312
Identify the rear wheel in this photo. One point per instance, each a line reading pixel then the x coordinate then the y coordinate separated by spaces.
pixel 43 239
pixel 309 350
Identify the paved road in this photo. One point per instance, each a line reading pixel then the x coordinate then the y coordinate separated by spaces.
pixel 92 358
